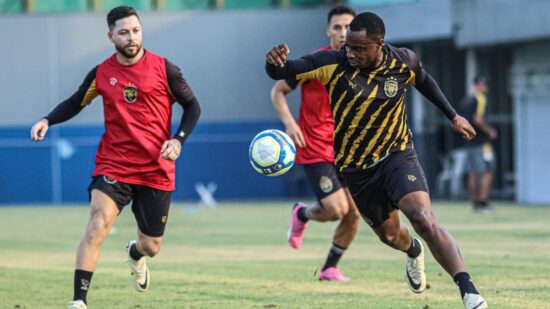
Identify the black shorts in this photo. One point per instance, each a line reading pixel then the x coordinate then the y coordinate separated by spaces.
pixel 378 189
pixel 150 206
pixel 324 179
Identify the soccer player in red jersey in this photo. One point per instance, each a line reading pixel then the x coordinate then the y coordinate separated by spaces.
pixel 135 160
pixel 313 136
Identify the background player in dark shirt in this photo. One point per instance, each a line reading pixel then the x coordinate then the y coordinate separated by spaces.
pixel 480 155
pixel 315 152
pixel 373 144
pixel 135 158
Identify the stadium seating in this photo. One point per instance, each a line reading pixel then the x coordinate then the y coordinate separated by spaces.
pixel 53 6
pixel 140 5
pixel 11 6
pixel 177 5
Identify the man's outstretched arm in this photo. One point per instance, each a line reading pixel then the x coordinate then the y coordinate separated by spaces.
pixel 430 89
pixel 319 65
pixel 68 108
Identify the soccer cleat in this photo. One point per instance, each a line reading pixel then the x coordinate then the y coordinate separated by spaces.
pixel 474 301
pixel 77 304
pixel 296 230
pixel 416 272
pixel 140 272
pixel 332 274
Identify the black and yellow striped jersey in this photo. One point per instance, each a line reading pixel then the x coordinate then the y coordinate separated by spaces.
pixel 368 106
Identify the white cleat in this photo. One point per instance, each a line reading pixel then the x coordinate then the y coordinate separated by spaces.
pixel 140 272
pixel 77 304
pixel 474 301
pixel 415 273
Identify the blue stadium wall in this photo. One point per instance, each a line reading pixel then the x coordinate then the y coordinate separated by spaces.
pixel 58 170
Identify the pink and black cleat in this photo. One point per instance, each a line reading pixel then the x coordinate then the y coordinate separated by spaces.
pixel 297 227
pixel 332 274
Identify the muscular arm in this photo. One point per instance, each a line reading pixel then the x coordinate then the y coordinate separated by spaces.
pixel 291 68
pixel 280 103
pixel 319 65
pixel 426 84
pixel 75 103
pixel 183 94
pixel 430 89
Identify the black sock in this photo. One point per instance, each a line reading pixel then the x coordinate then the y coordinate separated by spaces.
pixel 334 256
pixel 465 284
pixel 134 253
pixel 415 249
pixel 302 215
pixel 82 280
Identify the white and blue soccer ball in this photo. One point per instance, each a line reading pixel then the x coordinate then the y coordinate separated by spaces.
pixel 272 152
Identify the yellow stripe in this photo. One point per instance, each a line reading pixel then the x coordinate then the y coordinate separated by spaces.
pixel 406 139
pixel 412 78
pixel 322 74
pixel 373 73
pixel 403 66
pixel 402 128
pixel 333 83
pixel 481 105
pixel 335 109
pixel 345 112
pixel 91 93
pixel 393 63
pixel 395 120
pixel 355 74
pixel 359 140
pixel 353 126
pixel 364 155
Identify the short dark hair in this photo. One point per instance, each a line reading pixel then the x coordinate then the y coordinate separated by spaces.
pixel 371 23
pixel 340 10
pixel 120 12
pixel 480 79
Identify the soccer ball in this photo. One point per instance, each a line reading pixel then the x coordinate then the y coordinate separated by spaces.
pixel 272 153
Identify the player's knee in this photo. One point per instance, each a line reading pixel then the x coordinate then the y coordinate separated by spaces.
pixel 353 215
pixel 151 247
pixel 423 222
pixel 97 230
pixel 336 211
pixel 389 238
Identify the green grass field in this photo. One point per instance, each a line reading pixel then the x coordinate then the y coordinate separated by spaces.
pixel 236 256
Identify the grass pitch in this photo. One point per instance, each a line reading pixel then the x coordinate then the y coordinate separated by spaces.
pixel 236 256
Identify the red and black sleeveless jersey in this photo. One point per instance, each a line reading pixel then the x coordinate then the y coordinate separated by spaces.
pixel 137 105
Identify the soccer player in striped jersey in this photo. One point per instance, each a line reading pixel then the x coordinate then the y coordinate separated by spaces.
pixel 315 151
pixel 366 83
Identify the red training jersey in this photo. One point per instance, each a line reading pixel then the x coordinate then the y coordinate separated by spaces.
pixel 137 105
pixel 316 122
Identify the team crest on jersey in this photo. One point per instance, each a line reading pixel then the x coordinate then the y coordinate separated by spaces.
pixel 130 93
pixel 325 184
pixel 391 87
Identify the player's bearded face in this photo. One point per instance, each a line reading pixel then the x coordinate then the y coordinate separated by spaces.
pixel 362 52
pixel 127 36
